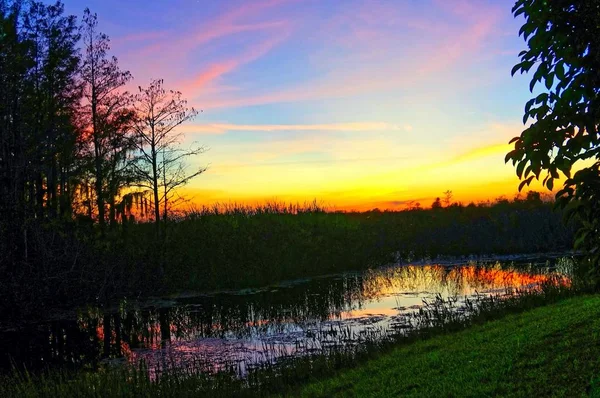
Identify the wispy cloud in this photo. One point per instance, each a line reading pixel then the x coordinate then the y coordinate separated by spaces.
pixel 221 128
pixel 138 37
pixel 496 150
pixel 371 63
pixel 169 52
pixel 228 23
pixel 377 61
pixel 216 70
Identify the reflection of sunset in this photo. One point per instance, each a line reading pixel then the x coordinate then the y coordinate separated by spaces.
pixel 405 287
pixel 222 330
pixel 498 278
pixel 125 350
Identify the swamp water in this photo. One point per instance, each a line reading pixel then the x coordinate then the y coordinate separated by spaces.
pixel 242 329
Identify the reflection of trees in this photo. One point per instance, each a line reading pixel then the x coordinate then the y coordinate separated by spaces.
pixel 274 312
pixel 99 334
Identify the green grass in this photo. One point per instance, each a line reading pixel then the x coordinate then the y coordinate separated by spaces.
pixel 547 351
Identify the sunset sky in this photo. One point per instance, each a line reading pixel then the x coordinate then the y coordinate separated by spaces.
pixel 359 104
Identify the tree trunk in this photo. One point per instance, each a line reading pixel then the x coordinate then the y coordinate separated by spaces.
pixel 52 191
pixel 112 212
pixel 107 334
pixel 155 192
pixel 98 164
pixel 39 195
pixel 99 193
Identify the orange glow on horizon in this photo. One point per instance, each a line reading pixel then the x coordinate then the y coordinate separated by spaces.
pixel 397 178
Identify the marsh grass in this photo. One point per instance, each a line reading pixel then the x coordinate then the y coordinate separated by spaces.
pixel 284 374
pixel 233 246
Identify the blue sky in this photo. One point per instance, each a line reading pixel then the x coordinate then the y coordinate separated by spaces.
pixel 360 104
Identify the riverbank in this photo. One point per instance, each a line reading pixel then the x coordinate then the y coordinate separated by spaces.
pixel 550 349
pixel 547 351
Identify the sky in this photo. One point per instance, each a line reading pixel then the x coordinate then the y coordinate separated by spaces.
pixel 357 104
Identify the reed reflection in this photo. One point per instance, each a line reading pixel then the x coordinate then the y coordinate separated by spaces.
pixel 244 328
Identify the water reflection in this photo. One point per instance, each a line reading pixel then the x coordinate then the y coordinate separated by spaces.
pixel 243 328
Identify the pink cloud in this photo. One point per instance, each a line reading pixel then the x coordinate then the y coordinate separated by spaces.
pixel 453 49
pixel 446 46
pixel 213 72
pixel 166 53
pixel 140 36
pixel 224 25
pixel 467 9
pixel 216 70
pixel 367 34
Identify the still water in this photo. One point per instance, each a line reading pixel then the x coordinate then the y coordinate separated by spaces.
pixel 238 330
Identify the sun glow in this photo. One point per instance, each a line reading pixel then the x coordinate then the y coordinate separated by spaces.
pixel 428 104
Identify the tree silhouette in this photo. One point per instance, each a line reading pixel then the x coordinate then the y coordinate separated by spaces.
pixel 39 64
pixel 160 164
pixel 104 114
pixel 563 39
pixel 51 98
pixel 448 198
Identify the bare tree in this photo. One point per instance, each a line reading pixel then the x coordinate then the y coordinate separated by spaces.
pixel 160 165
pixel 448 198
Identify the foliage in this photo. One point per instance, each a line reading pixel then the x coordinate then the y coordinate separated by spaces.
pixel 563 39
pixel 39 61
pixel 104 117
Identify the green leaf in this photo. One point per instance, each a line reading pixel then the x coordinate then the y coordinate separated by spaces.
pixel 520 168
pixel 581 238
pixel 525 182
pixel 519 11
pixel 518 5
pixel 549 80
pixel 510 155
pixel 532 84
pixel 560 70
pixel 528 105
pixel 515 69
pixel 543 97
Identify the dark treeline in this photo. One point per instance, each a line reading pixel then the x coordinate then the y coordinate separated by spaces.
pixel 77 151
pixel 80 156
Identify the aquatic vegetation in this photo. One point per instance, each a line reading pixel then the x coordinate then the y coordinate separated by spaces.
pixel 283 371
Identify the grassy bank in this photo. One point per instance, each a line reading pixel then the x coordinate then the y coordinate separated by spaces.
pixel 547 351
